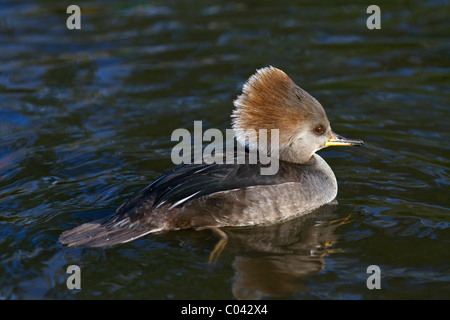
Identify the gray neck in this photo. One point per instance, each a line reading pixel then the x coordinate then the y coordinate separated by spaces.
pixel 329 182
pixel 290 155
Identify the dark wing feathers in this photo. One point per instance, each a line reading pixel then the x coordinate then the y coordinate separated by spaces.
pixel 186 182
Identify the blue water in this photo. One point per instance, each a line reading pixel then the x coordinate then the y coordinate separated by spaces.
pixel 85 123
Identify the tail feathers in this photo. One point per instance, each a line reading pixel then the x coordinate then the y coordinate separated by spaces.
pixel 101 233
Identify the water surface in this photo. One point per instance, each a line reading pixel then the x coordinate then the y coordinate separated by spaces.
pixel 85 123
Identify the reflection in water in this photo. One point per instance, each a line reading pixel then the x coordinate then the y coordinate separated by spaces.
pixel 272 260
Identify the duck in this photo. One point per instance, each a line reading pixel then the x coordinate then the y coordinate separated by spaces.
pixel 217 196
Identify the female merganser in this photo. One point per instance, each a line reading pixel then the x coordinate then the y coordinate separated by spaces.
pixel 211 196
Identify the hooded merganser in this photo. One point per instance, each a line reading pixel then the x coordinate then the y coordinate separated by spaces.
pixel 211 196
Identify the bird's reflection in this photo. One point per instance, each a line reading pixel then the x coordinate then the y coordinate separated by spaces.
pixel 271 261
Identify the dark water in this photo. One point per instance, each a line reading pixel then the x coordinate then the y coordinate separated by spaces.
pixel 85 123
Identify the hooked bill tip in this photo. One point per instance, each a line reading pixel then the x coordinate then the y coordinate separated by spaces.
pixel 338 140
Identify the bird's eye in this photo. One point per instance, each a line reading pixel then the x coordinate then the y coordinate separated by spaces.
pixel 319 130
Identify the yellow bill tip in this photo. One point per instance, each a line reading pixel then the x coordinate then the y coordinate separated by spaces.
pixel 338 140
